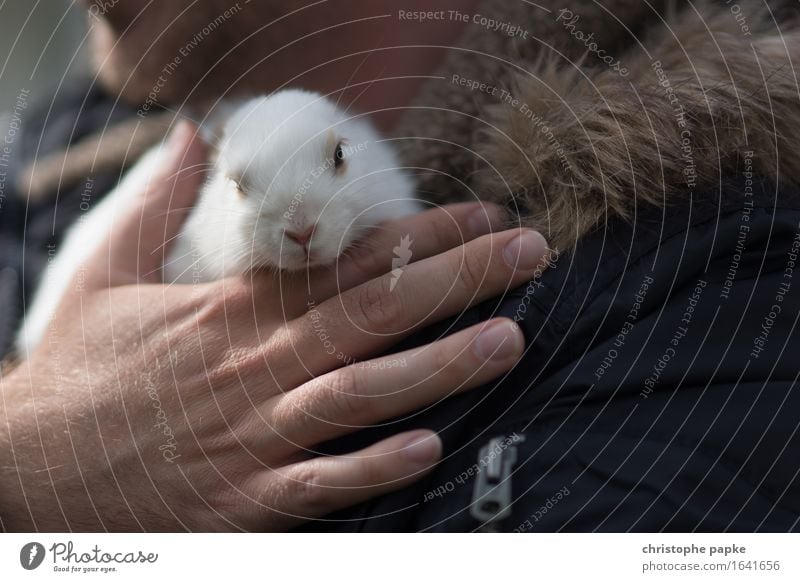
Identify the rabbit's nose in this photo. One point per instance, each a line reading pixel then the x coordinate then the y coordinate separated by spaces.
pixel 300 238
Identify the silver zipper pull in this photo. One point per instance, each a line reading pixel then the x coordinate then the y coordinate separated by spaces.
pixel 491 496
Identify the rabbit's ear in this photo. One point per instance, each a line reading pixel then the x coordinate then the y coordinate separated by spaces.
pixel 212 126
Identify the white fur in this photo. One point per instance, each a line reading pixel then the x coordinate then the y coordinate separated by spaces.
pixel 280 148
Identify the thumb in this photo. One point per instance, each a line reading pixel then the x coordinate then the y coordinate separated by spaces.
pixel 141 235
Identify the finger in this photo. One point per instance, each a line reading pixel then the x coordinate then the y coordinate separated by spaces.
pixel 320 486
pixel 413 238
pixel 371 392
pixel 397 243
pixel 141 234
pixel 371 317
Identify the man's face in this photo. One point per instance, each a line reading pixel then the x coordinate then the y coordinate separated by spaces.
pixel 145 47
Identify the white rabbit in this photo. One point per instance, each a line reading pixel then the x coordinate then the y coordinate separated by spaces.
pixel 295 182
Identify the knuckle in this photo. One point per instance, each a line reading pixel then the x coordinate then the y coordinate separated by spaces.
pixel 367 262
pixel 379 309
pixel 303 490
pixel 472 272
pixel 440 231
pixel 445 359
pixel 220 301
pixel 370 471
pixel 286 415
pixel 344 397
pixel 229 364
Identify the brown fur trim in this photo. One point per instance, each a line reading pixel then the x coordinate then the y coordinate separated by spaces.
pixel 583 142
pixel 705 95
pixel 442 128
pixel 109 151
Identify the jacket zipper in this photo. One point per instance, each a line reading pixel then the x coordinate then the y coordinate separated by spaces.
pixel 491 495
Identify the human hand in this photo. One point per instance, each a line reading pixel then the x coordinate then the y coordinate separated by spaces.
pixel 167 407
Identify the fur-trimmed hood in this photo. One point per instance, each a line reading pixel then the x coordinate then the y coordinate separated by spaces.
pixel 587 111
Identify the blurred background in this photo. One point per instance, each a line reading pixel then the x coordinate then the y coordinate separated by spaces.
pixel 41 42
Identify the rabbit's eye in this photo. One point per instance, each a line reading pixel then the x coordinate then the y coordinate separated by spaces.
pixel 338 156
pixel 237 187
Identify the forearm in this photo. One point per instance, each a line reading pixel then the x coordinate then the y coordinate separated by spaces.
pixel 16 455
pixel 47 482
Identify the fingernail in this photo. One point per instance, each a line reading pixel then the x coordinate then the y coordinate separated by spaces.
pixel 500 341
pixel 483 219
pixel 423 449
pixel 525 251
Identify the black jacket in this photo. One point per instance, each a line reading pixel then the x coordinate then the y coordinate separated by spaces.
pixel 658 390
